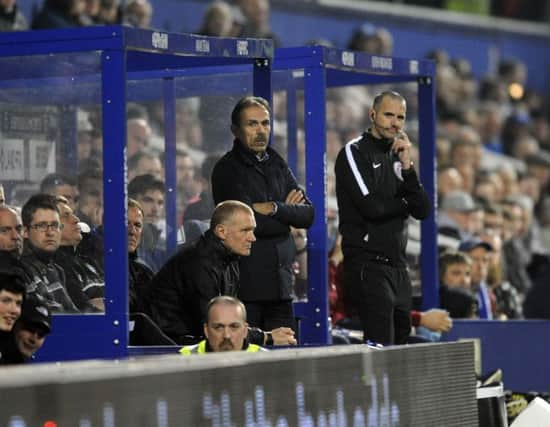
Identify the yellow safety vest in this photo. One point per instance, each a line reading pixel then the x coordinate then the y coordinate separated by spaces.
pixel 200 348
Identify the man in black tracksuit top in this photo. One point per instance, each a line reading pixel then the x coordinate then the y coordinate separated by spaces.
pixel 377 189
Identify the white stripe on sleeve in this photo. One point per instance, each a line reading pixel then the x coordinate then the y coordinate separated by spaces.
pixel 354 169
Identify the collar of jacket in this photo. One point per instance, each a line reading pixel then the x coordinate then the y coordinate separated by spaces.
pixel 248 155
pixel 66 250
pixel 30 250
pixel 219 248
pixel 381 144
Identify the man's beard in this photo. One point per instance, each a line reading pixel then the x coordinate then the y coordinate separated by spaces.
pixel 226 345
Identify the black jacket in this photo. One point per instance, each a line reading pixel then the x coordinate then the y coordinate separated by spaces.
pixel 266 275
pixel 9 353
pixel 84 278
pixel 180 291
pixel 139 282
pixel 47 279
pixel 375 198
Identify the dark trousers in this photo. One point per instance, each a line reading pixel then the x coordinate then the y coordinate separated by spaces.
pixel 269 315
pixel 383 297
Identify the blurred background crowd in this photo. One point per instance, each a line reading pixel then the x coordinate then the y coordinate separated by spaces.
pixel 493 154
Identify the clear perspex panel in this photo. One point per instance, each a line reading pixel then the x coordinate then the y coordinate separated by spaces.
pixel 51 142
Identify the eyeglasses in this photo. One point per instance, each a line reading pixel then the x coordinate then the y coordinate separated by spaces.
pixel 7 229
pixel 46 226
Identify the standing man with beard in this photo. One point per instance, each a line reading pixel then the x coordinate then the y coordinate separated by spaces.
pixel 255 174
pixel 377 190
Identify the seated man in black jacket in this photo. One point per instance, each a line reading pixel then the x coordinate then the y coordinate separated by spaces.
pixel 208 267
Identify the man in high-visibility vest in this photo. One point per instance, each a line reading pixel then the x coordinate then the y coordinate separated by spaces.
pixel 225 329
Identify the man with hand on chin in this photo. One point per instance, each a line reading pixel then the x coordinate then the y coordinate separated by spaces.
pixel 377 189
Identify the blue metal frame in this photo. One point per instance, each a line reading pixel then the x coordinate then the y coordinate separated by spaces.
pixel 126 54
pixel 328 67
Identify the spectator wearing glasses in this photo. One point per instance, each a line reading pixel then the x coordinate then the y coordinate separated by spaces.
pixel 42 232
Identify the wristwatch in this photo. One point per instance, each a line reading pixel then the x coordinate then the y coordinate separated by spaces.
pixel 268 338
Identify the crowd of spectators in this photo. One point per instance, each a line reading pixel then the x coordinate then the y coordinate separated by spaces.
pixel 493 156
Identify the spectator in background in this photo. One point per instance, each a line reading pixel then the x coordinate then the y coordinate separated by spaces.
pixel 448 180
pixel 11 239
pixel 82 274
pixel 138 135
pixel 2 195
pixel 507 303
pixel 455 293
pixel 188 191
pixel 140 275
pixel 11 18
pixel 138 13
pixel 455 219
pixel 202 209
pixel 225 328
pixel 149 192
pixel 110 12
pixel 516 257
pixel 217 20
pixel 44 277
pixel 257 16
pixel 90 187
pixel 12 294
pixel 61 14
pixel 143 331
pixel 61 185
pixel 257 175
pixel 479 252
pixel 91 9
pixel 145 163
pixel 90 206
pixel 30 330
pixel 371 39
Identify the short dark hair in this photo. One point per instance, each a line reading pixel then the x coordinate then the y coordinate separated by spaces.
pixel 88 181
pixel 134 160
pixel 224 211
pixel 247 102
pixel 225 300
pixel 143 183
pixel 38 201
pixel 54 180
pixel 12 283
